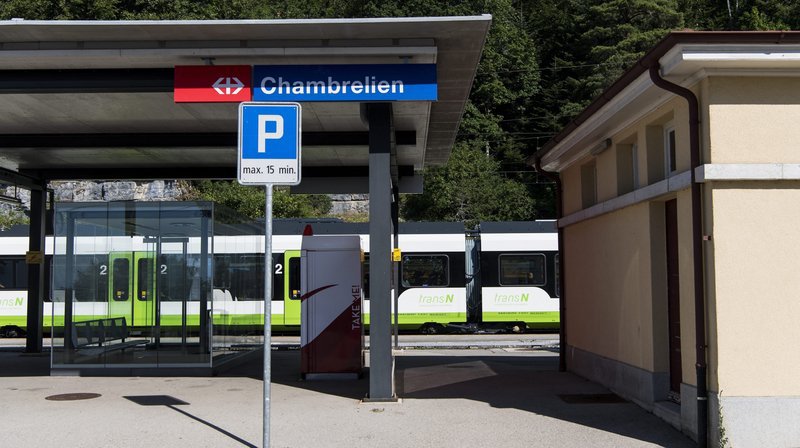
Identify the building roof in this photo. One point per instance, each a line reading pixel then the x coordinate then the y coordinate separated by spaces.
pixel 684 57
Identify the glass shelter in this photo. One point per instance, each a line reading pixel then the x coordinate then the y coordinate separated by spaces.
pixel 133 285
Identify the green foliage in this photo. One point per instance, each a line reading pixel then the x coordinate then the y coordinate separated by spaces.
pixel 133 9
pixel 620 33
pixel 596 42
pixel 544 61
pixel 497 119
pixel 11 216
pixel 755 15
pixel 469 188
pixel 250 201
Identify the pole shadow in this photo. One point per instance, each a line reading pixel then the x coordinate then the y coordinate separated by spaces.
pixel 173 403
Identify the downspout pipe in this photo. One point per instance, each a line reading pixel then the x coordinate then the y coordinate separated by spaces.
pixel 562 302
pixel 701 366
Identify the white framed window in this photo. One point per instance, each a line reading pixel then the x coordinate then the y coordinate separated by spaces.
pixel 627 168
pixel 635 165
pixel 588 184
pixel 670 151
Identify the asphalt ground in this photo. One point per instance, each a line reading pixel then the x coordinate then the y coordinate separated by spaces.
pixel 477 393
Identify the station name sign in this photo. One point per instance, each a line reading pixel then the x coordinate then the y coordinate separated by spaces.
pixel 401 82
pixel 298 83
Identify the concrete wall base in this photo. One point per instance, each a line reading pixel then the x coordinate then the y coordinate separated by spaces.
pixel 647 389
pixel 760 421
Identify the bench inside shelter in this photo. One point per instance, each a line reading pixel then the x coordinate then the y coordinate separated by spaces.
pixel 97 336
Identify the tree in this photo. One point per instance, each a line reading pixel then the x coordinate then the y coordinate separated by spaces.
pixel 134 9
pixel 586 46
pixel 756 15
pixel 471 189
pixel 11 216
pixel 622 31
pixel 250 201
pixel 497 116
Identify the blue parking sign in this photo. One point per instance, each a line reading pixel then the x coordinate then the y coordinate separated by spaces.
pixel 269 143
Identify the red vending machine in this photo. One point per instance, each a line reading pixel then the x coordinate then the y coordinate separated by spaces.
pixel 331 324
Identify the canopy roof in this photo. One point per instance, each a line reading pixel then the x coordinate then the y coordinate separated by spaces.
pixel 94 99
pixel 683 58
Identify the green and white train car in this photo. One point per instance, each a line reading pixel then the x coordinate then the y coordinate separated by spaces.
pixel 501 277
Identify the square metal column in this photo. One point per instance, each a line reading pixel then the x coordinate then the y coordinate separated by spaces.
pixel 381 370
pixel 36 285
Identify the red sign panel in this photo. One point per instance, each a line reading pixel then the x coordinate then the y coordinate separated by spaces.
pixel 213 83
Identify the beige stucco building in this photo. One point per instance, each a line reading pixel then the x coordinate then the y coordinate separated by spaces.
pixel 680 218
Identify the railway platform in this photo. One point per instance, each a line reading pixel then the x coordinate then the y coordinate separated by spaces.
pixel 475 393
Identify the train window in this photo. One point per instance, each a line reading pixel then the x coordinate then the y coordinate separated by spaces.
pixel 175 278
pixel 121 279
pixel 241 274
pixel 425 270
pixel 522 269
pixel 13 273
pixel 277 277
pixel 90 283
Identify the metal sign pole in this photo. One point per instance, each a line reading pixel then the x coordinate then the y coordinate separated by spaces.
pixel 267 310
pixel 269 154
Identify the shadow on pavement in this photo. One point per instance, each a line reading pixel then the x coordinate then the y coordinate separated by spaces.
pixel 286 371
pixel 173 403
pixel 15 362
pixel 532 384
pixel 528 383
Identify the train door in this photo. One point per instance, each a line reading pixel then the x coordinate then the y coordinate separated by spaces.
pixel 176 289
pixel 132 287
pixel 291 287
pixel 144 286
pixel 473 277
pixel 119 301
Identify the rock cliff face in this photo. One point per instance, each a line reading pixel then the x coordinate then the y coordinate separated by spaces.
pixel 349 204
pixel 160 190
pixel 87 191
pixel 84 191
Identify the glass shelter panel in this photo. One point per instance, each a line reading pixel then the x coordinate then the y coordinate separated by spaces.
pixel 238 285
pixel 132 285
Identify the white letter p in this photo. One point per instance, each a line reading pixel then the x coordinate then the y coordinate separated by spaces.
pixel 263 135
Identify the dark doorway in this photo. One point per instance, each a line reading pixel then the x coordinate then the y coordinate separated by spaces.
pixel 673 301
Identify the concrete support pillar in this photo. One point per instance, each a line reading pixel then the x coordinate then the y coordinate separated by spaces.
pixel 36 277
pixel 381 372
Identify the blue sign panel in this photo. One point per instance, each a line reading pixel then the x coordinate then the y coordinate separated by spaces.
pixel 397 82
pixel 264 131
pixel 269 144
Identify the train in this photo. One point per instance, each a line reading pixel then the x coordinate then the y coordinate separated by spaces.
pixel 498 277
